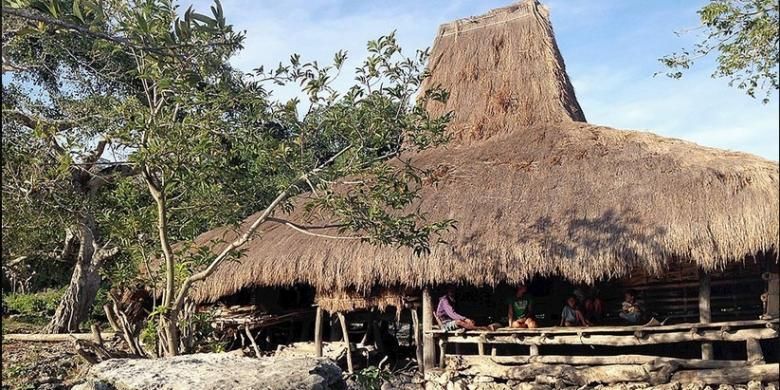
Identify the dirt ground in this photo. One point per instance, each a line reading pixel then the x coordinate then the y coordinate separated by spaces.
pixel 46 366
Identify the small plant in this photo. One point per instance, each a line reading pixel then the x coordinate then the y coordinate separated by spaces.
pixel 371 378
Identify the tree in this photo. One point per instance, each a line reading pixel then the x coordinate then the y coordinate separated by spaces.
pixel 744 35
pixel 212 145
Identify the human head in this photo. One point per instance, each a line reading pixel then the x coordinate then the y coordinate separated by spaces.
pixel 571 300
pixel 521 290
pixel 451 292
pixel 630 295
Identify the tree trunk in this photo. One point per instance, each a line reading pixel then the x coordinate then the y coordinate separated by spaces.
pixel 77 301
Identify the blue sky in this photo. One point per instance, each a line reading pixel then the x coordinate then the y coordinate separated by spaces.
pixel 610 47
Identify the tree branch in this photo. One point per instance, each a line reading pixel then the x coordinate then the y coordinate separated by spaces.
pixel 306 230
pixel 250 231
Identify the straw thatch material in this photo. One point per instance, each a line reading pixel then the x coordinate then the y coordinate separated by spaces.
pixel 351 300
pixel 577 200
pixel 503 71
pixel 534 191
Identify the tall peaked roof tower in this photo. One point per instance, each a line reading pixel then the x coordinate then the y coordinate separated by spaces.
pixel 504 71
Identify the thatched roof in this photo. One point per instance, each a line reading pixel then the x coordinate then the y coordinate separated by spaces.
pixel 534 191
pixel 504 71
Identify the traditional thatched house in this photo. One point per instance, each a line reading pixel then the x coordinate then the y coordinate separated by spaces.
pixel 538 192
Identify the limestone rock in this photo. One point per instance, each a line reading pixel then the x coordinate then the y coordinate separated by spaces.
pixel 216 371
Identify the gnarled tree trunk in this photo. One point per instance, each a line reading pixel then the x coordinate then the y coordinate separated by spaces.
pixel 77 301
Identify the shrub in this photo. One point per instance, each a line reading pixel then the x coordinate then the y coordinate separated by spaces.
pixel 34 305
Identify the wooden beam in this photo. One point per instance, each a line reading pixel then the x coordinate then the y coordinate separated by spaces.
pixel 580 376
pixel 318 333
pixel 52 337
pixel 417 336
pixel 252 340
pixel 621 340
pixel 705 311
pixel 754 353
pixel 611 330
pixel 429 345
pixel 345 335
pixel 602 360
pixel 761 373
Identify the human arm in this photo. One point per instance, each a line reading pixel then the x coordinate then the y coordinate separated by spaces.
pixel 510 315
pixel 449 311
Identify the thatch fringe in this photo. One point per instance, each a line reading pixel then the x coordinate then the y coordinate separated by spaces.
pixel 350 300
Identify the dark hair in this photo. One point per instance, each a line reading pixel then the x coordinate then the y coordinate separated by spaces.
pixel 631 292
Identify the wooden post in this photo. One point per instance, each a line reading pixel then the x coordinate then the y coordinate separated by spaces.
pixel 417 337
pixel 481 346
pixel 773 294
pixel 533 350
pixel 318 333
pixel 345 332
pixel 754 353
pixel 429 346
pixel 705 310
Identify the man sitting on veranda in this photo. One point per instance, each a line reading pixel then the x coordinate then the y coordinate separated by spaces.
pixel 450 319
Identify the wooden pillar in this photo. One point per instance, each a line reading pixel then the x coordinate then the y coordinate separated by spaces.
pixel 533 350
pixel 429 346
pixel 773 294
pixel 318 333
pixel 754 353
pixel 345 332
pixel 417 337
pixel 705 311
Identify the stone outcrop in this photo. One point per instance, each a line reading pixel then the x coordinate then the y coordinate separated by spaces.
pixel 214 371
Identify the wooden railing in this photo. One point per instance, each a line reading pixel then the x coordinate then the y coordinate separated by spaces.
pixel 735 331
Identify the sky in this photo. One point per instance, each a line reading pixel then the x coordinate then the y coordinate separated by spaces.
pixel 610 47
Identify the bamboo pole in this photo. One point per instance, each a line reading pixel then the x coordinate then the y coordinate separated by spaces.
pixel 705 310
pixel 318 333
pixel 345 335
pixel 429 346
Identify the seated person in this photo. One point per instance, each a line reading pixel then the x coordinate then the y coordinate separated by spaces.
pixel 593 306
pixel 449 318
pixel 520 308
pixel 572 315
pixel 631 310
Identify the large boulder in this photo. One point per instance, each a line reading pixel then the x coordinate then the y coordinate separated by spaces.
pixel 214 371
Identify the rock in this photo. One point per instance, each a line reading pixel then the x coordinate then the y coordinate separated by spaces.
pixel 668 386
pixel 93 385
pixel 725 387
pixel 755 385
pixel 693 386
pixel 529 386
pixel 483 379
pixel 458 384
pixel 217 371
pixel 771 386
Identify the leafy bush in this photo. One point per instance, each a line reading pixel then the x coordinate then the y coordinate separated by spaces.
pixel 33 305
pixel 371 377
